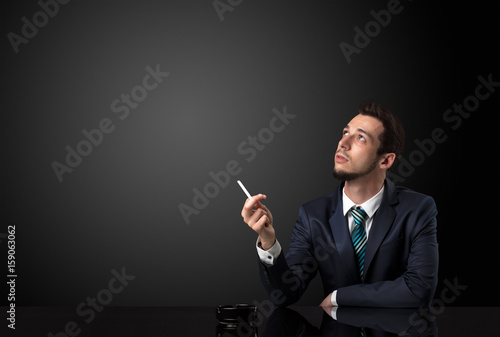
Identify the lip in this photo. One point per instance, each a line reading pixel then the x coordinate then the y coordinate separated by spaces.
pixel 340 159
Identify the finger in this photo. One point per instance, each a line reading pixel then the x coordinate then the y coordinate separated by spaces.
pixel 255 200
pixel 269 214
pixel 250 203
pixel 268 219
pixel 261 223
pixel 327 309
pixel 247 213
pixel 264 207
pixel 256 216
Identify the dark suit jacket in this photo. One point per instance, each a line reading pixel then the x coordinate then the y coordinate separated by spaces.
pixel 401 260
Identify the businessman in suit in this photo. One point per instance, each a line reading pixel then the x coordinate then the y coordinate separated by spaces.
pixel 373 243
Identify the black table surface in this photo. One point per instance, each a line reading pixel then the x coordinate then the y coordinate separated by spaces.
pixel 291 321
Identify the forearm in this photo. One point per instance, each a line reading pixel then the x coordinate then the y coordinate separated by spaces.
pixel 414 288
pixel 384 294
pixel 286 279
pixel 284 285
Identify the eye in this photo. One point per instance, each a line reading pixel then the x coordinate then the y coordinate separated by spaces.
pixel 362 138
pixel 345 133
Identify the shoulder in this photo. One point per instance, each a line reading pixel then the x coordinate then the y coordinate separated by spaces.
pixel 396 194
pixel 319 208
pixel 406 195
pixel 324 201
pixel 314 214
pixel 414 202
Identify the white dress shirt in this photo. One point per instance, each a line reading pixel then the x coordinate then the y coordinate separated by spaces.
pixel 370 206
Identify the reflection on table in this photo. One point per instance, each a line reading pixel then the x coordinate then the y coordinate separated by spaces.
pixel 270 321
pixel 353 322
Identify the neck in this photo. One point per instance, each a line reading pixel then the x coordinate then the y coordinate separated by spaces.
pixel 363 188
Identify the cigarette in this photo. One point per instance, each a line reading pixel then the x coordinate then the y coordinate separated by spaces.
pixel 244 189
pixel 248 195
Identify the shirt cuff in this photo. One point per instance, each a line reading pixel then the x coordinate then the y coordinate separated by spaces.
pixel 270 255
pixel 333 313
pixel 334 298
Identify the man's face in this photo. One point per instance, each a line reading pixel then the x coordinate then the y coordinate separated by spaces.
pixel 356 154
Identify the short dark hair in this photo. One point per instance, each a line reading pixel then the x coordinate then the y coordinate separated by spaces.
pixel 392 139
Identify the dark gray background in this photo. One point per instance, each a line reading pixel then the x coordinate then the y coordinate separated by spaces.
pixel 119 208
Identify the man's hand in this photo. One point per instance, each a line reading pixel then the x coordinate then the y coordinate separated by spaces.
pixel 260 219
pixel 327 302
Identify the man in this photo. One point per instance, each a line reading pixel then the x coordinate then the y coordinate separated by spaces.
pixel 373 243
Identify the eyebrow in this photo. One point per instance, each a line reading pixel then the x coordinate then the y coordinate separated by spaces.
pixel 360 131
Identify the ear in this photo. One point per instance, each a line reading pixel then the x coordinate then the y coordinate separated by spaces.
pixel 386 160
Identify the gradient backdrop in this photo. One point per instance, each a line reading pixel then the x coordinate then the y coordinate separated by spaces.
pixel 119 207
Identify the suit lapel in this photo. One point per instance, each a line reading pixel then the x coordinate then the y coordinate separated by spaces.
pixel 342 237
pixel 382 222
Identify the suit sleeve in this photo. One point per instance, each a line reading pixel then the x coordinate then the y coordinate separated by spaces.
pixel 287 279
pixel 416 286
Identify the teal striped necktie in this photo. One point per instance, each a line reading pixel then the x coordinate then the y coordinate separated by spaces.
pixel 359 237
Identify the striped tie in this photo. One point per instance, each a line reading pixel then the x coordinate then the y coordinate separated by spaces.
pixel 358 236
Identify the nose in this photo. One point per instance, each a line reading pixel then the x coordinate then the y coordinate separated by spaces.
pixel 345 143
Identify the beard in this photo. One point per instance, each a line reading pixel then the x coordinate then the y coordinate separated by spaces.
pixel 348 176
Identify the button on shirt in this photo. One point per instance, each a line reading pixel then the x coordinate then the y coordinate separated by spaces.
pixel 370 206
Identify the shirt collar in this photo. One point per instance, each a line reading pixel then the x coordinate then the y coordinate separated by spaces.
pixel 370 206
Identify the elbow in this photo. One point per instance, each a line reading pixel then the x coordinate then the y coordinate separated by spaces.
pixel 426 296
pixel 423 292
